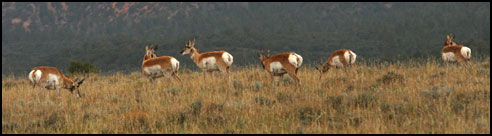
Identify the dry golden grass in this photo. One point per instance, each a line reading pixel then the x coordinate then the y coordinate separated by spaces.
pixel 385 98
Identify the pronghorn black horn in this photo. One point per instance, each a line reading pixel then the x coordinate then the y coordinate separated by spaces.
pixel 82 80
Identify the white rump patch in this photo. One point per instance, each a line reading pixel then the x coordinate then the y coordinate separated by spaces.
pixel 466 52
pixel 293 60
pixel 175 64
pixel 37 76
pixel 209 64
pixel 277 68
pixel 30 76
pixel 353 57
pixel 225 57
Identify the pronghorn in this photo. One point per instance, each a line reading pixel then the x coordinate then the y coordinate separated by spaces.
pixel 52 78
pixel 339 58
pixel 209 61
pixel 454 52
pixel 280 64
pixel 154 67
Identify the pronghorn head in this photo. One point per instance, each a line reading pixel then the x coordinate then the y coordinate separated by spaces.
pixel 189 47
pixel 150 52
pixel 322 68
pixel 262 57
pixel 450 40
pixel 75 86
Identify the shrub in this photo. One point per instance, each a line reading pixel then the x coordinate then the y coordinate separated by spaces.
pixel 287 80
pixel 237 84
pixel 173 91
pixel 390 77
pixel 264 101
pixel 307 114
pixel 437 91
pixel 334 102
pixel 78 67
pixel 283 97
pixel 366 99
pixel 196 107
pixel 256 85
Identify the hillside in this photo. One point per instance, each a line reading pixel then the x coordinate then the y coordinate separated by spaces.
pixel 113 35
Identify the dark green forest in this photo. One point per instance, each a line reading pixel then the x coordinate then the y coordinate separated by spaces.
pixel 112 36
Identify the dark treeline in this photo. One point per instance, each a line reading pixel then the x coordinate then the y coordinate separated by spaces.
pixel 113 36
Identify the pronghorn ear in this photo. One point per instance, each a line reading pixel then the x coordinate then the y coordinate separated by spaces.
pixel 146 47
pixel 153 47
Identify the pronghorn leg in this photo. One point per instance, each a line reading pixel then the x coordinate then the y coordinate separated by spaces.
pixel 292 73
pixel 211 74
pixel 175 75
pixel 58 91
pixel 227 72
pixel 470 64
pixel 272 78
pixel 294 76
pixel 33 86
pixel 447 65
pixel 204 75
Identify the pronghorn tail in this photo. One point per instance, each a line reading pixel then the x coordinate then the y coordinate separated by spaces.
pixel 350 57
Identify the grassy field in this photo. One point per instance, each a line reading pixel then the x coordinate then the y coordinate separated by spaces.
pixel 410 97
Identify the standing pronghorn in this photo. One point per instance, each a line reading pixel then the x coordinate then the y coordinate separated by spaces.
pixel 52 78
pixel 280 64
pixel 154 67
pixel 209 61
pixel 339 58
pixel 454 52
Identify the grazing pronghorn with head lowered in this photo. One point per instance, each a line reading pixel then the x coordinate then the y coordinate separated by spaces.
pixel 52 78
pixel 280 64
pixel 453 52
pixel 154 67
pixel 209 61
pixel 339 58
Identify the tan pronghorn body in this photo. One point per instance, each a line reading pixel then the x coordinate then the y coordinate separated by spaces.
pixel 209 61
pixel 52 78
pixel 340 59
pixel 154 67
pixel 453 52
pixel 280 64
